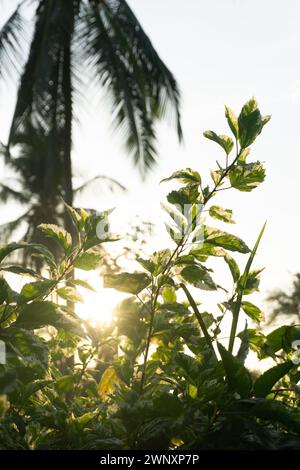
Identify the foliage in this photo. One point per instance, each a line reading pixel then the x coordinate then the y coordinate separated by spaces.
pixel 160 376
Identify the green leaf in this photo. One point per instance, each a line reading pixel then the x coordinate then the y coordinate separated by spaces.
pixel 109 380
pixel 147 264
pixel 252 282
pixel 70 294
pixel 83 283
pixel 207 250
pixel 160 259
pixel 132 283
pixel 233 266
pixel 97 229
pixel 225 141
pixel 219 213
pixel 75 216
pixel 7 249
pixel 65 384
pixel 266 119
pixel 166 404
pixel 184 196
pixel 281 338
pixel 28 345
pixel 243 154
pixel 60 235
pixel 264 384
pixel 199 277
pixel 247 176
pixel 276 411
pixel 88 261
pixel 7 381
pixel 32 387
pixel 20 270
pixel 226 240
pixel 176 215
pixel 232 121
pixel 250 123
pixel 187 176
pixel 252 311
pixel 32 290
pixel 216 176
pixel 169 294
pixel 39 314
pixel 6 293
pixel 238 377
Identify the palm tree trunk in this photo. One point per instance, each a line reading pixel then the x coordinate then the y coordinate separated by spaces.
pixel 67 145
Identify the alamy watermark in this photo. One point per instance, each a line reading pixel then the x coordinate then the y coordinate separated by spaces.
pixel 2 352
pixel 186 224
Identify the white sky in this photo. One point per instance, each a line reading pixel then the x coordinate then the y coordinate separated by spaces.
pixel 221 51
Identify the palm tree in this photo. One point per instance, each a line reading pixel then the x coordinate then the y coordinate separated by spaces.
pixel 101 38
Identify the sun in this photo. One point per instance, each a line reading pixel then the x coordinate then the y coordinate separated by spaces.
pixel 97 307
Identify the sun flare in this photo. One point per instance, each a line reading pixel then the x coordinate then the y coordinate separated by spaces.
pixel 98 305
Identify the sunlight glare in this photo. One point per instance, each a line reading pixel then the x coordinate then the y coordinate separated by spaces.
pixel 97 307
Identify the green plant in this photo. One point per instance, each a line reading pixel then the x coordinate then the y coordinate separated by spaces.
pixel 160 376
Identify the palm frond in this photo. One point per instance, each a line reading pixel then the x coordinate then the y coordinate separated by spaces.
pixel 120 54
pixel 6 193
pixel 11 42
pixel 7 229
pixel 110 182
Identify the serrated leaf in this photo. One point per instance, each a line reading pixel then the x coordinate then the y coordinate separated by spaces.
pixel 132 283
pixel 250 123
pixel 216 176
pixel 70 294
pixel 187 176
pixel 219 213
pixel 88 261
pixel 246 177
pixel 226 240
pixel 252 282
pixel 83 283
pixel 252 311
pixel 184 196
pixel 60 235
pixel 198 277
pixel 206 250
pixel 224 141
pixel 32 290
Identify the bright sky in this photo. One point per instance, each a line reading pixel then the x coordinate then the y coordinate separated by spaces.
pixel 221 51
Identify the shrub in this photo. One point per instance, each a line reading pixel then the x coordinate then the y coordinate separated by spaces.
pixel 159 376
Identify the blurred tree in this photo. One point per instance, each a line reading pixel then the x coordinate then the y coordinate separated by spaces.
pixel 286 303
pixel 101 39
